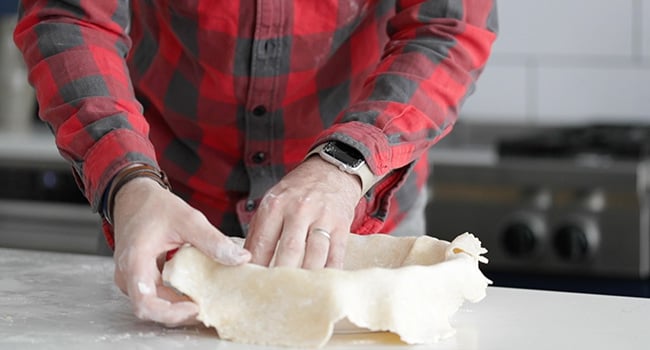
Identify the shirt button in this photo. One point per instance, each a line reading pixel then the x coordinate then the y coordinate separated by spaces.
pixel 269 46
pixel 258 157
pixel 259 111
pixel 250 205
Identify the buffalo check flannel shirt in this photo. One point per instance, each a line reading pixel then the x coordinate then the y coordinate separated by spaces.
pixel 227 96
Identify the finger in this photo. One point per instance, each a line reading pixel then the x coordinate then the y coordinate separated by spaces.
pixel 175 297
pixel 120 281
pixel 142 286
pixel 263 233
pixel 338 242
pixel 170 314
pixel 200 233
pixel 318 245
pixel 121 260
pixel 291 246
pixel 171 294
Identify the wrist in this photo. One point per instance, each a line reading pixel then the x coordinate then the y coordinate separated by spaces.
pixel 347 160
pixel 348 183
pixel 136 186
pixel 127 175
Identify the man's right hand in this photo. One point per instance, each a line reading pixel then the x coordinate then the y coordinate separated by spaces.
pixel 149 221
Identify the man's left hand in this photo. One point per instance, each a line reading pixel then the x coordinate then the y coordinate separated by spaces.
pixel 306 217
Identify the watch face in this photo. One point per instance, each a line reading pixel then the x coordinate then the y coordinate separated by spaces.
pixel 344 153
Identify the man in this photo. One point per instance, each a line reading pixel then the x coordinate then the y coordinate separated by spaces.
pixel 291 123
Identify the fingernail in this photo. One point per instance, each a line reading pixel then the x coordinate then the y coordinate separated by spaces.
pixel 244 253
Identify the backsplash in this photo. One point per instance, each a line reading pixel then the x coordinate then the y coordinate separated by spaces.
pixel 560 62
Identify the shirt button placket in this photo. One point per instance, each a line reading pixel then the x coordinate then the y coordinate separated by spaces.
pixel 261 104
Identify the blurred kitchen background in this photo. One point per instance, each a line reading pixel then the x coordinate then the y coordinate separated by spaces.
pixel 548 164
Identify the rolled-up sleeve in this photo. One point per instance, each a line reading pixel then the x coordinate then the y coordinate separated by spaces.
pixel 75 52
pixel 435 54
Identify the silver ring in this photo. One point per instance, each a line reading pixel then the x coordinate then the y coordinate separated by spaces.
pixel 322 231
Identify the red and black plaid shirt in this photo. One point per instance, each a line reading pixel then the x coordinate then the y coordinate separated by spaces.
pixel 228 96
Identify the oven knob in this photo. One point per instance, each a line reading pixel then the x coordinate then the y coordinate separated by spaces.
pixel 518 240
pixel 522 236
pixel 575 241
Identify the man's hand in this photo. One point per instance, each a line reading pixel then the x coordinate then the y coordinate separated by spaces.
pixel 149 221
pixel 307 215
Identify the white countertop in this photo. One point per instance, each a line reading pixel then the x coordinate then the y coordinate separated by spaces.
pixel 68 301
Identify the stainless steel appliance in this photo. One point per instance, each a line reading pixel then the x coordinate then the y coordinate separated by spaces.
pixel 40 204
pixel 569 201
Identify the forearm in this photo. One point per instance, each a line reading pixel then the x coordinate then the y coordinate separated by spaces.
pixel 436 52
pixel 76 60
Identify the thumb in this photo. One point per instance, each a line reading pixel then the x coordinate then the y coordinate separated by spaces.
pixel 200 233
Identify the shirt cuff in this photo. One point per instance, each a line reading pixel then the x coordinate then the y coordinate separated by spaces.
pixel 367 139
pixel 112 153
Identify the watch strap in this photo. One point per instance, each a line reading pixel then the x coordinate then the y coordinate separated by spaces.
pixel 368 179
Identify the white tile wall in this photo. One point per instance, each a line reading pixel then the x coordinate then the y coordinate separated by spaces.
pixel 565 27
pixel 573 95
pixel 645 23
pixel 502 93
pixel 567 61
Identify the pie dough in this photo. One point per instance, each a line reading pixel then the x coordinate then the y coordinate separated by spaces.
pixel 406 285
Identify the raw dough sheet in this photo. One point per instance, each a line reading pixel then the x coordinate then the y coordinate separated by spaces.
pixel 406 285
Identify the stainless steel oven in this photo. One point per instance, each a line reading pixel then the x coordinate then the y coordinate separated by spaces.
pixel 560 204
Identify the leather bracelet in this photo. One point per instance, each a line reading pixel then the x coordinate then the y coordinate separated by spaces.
pixel 128 174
